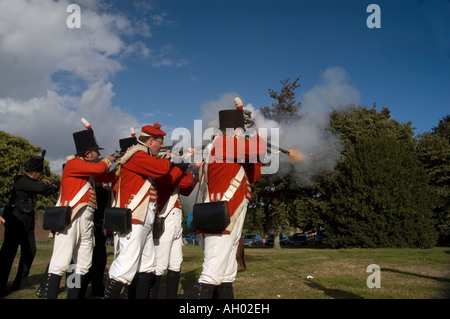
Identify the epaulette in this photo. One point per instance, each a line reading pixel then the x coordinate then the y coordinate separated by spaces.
pixel 131 151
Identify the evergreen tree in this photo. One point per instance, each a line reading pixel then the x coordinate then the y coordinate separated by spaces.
pixel 286 108
pixel 15 153
pixel 380 197
pixel 434 153
pixel 274 198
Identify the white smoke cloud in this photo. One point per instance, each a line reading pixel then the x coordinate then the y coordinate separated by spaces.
pixel 309 134
pixel 334 91
pixel 321 148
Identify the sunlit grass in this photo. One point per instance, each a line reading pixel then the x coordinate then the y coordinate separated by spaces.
pixel 304 273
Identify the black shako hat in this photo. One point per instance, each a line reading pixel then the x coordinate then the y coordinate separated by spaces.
pixel 126 143
pixel 231 119
pixel 35 164
pixel 85 141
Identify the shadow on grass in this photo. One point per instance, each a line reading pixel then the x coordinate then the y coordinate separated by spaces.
pixel 440 279
pixel 333 293
pixel 443 280
pixel 188 285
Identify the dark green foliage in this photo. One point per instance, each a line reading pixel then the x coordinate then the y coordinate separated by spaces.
pixel 388 190
pixel 286 108
pixel 15 153
pixel 434 153
pixel 381 197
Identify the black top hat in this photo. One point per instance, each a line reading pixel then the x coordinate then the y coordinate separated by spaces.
pixel 126 143
pixel 231 119
pixel 36 164
pixel 85 141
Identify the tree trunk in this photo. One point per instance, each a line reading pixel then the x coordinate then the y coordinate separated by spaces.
pixel 276 240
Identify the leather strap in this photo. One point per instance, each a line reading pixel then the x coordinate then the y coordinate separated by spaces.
pixel 79 195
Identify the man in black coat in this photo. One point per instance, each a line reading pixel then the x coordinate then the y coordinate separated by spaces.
pixel 19 222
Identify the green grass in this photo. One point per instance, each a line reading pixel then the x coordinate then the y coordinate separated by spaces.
pixel 283 274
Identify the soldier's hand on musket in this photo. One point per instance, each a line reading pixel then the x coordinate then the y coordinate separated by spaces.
pixel 111 158
pixel 168 155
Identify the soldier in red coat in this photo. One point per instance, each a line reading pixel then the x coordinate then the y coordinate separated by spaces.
pixel 77 190
pixel 135 189
pixel 168 242
pixel 231 167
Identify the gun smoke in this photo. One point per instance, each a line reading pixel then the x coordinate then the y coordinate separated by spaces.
pixel 310 134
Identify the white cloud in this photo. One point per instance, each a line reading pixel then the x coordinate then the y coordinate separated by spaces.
pixel 36 45
pixel 166 57
pixel 35 42
pixel 49 121
pixel 210 109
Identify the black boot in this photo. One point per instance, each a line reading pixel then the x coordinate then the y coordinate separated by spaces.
pixel 173 280
pixel 143 285
pixel 154 286
pixel 85 284
pixel 131 289
pixel 225 291
pixel 41 289
pixel 18 282
pixel 75 292
pixel 51 287
pixel 113 289
pixel 205 291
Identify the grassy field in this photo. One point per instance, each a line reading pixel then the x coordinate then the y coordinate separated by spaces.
pixel 305 273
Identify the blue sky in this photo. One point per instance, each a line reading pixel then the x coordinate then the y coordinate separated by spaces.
pixel 249 46
pixel 136 62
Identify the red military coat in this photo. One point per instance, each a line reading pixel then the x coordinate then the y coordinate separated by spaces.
pixel 133 175
pixel 225 163
pixel 165 188
pixel 77 172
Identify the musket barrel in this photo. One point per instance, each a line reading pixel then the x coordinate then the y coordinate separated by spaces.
pixel 282 150
pixel 169 148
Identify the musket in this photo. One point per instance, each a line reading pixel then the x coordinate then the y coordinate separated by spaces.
pixel 293 154
pixel 169 148
pixel 118 154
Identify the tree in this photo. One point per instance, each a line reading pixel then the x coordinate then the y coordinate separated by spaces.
pixel 15 153
pixel 380 197
pixel 274 199
pixel 434 153
pixel 285 110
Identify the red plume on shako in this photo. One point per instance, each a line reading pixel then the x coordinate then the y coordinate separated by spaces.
pixel 238 103
pixel 86 123
pixel 85 140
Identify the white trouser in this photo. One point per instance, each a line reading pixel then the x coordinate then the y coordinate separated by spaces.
pixel 220 264
pixel 76 244
pixel 135 251
pixel 169 247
